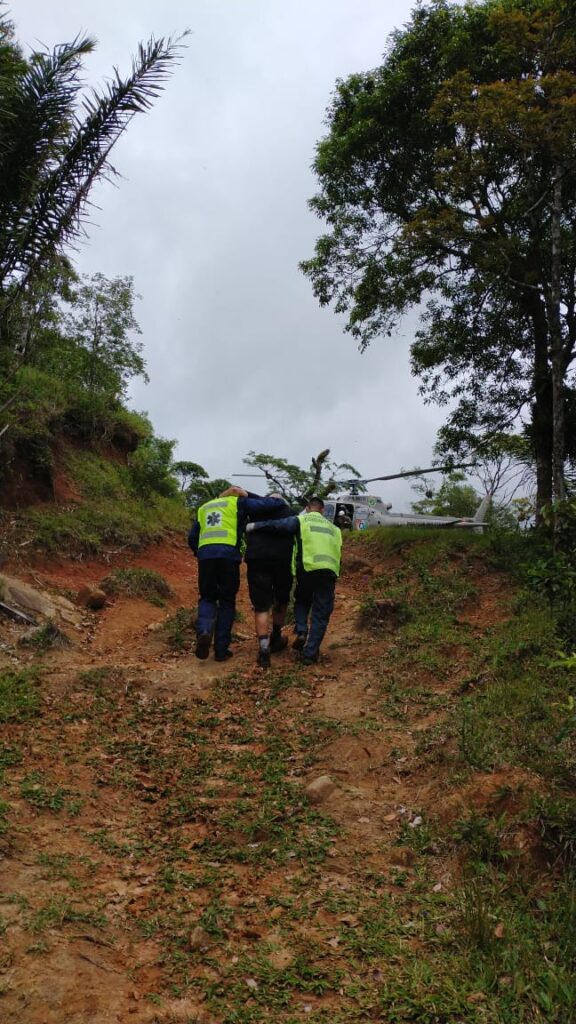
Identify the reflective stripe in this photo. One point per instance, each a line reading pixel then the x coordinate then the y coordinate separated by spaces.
pixel 215 533
pixel 325 558
pixel 216 504
pixel 321 529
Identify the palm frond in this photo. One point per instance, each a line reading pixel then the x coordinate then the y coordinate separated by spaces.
pixel 35 122
pixel 62 166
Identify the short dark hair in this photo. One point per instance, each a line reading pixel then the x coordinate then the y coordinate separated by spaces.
pixel 316 501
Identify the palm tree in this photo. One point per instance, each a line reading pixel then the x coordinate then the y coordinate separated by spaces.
pixel 54 145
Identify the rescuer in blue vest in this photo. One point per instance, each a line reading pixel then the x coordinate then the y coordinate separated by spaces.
pixel 215 539
pixel 316 559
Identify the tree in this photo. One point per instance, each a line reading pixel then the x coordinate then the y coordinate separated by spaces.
pixel 187 472
pixel 454 497
pixel 51 154
pixel 298 485
pixel 98 324
pixel 199 491
pixel 448 178
pixel 151 467
pixel 196 485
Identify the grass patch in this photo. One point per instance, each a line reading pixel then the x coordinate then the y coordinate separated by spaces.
pixel 137 583
pixel 45 637
pixel 34 790
pixel 19 696
pixel 59 911
pixel 90 528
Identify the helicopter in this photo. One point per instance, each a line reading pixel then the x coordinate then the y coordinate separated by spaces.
pixel 360 511
pixel 356 511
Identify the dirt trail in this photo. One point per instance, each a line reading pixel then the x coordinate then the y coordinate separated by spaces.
pixel 131 885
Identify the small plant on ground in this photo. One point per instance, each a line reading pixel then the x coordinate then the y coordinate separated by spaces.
pixel 179 629
pixel 45 637
pixel 34 790
pixel 137 583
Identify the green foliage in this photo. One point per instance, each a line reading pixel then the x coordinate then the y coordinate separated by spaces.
pixel 97 478
pixel 137 583
pixel 99 324
pixel 195 484
pixel 556 816
pixel 51 157
pixel 188 472
pixel 179 629
pixel 92 528
pixel 517 717
pixel 19 696
pixel 298 485
pixel 151 468
pixel 454 497
pixel 108 512
pixel 554 575
pixel 482 837
pixel 45 637
pixel 561 517
pixel 34 790
pixel 37 402
pixel 447 180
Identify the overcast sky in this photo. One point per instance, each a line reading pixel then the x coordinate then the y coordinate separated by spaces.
pixel 211 219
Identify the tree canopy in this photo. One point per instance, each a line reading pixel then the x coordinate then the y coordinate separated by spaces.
pixel 298 485
pixel 448 183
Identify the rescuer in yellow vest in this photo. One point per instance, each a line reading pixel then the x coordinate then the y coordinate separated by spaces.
pixel 215 539
pixel 317 549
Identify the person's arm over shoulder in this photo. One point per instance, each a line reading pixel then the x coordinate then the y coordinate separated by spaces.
pixel 254 505
pixel 291 524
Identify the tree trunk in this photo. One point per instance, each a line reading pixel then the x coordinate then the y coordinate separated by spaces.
pixel 556 346
pixel 542 418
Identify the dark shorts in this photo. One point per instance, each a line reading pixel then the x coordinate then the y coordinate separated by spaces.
pixel 269 583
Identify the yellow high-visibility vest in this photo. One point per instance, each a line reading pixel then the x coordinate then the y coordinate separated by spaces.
pixel 321 543
pixel 218 521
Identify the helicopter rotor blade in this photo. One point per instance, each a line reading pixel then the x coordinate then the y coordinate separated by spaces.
pixel 408 472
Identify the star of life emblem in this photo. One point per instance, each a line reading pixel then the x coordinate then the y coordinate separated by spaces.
pixel 214 519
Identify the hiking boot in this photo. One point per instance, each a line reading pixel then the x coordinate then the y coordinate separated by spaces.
pixel 263 659
pixel 278 643
pixel 298 644
pixel 307 659
pixel 223 655
pixel 203 641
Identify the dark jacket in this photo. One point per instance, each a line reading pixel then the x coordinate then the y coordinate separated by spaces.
pixel 263 546
pixel 253 505
pixel 290 528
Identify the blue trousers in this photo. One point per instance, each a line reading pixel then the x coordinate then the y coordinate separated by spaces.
pixel 218 583
pixel 313 604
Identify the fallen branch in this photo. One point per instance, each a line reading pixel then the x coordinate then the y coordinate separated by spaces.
pixel 103 967
pixel 12 613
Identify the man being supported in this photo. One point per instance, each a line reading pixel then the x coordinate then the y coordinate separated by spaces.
pixel 317 550
pixel 215 539
pixel 269 566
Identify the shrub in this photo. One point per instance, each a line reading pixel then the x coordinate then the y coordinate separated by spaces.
pixel 137 583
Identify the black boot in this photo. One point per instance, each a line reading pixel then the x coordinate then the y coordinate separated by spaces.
pixel 203 641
